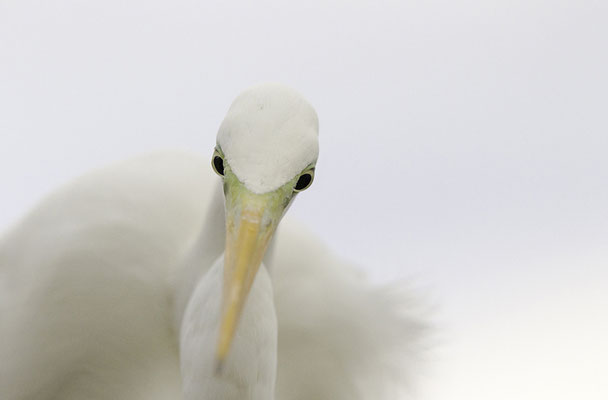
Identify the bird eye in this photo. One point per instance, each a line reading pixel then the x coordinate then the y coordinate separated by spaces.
pixel 217 162
pixel 304 181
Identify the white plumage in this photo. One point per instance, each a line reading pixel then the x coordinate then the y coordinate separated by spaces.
pixel 111 289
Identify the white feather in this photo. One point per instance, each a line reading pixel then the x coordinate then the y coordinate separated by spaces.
pixel 89 295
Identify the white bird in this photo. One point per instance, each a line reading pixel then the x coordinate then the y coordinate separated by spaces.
pixel 149 280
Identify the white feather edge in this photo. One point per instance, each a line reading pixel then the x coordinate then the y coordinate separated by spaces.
pixel 340 336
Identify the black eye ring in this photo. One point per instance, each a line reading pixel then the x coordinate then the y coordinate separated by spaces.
pixel 304 181
pixel 217 163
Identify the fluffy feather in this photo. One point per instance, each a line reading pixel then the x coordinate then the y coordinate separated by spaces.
pixel 340 337
pixel 86 307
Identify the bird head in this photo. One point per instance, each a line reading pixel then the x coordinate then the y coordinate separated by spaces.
pixel 267 148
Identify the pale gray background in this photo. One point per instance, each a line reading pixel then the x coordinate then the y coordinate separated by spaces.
pixel 464 147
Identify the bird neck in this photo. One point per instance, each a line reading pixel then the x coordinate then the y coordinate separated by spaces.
pixel 249 371
pixel 199 256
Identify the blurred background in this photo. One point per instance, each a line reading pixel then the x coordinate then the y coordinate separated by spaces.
pixel 464 148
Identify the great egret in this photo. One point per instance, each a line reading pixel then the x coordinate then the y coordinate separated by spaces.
pixel 117 285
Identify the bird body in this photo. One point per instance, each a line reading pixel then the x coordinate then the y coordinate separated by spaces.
pixel 112 289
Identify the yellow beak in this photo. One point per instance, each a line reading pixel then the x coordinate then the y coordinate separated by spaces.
pixel 251 220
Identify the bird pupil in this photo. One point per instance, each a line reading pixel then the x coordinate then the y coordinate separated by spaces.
pixel 303 182
pixel 218 163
